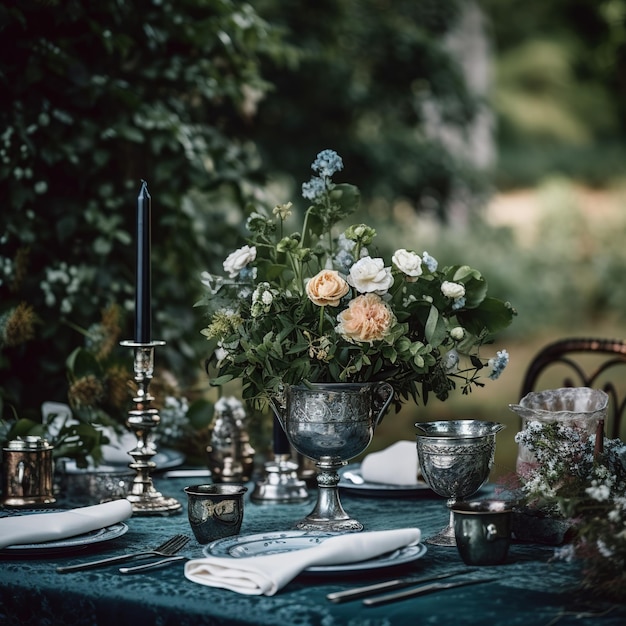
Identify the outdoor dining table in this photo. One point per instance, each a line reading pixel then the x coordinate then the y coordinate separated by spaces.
pixel 530 588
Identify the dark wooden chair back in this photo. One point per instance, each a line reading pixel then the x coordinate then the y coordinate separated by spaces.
pixel 576 362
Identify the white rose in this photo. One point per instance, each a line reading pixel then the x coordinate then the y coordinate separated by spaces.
pixel 370 276
pixel 238 259
pixel 452 290
pixel 409 263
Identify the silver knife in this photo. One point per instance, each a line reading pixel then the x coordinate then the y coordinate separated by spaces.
pixel 411 593
pixel 370 590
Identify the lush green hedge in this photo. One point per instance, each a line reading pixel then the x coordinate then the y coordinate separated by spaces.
pixel 96 97
pixel 203 99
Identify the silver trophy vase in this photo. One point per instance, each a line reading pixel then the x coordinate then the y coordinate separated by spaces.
pixel 331 423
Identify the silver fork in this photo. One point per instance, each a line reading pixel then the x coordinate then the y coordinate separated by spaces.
pixel 152 565
pixel 170 547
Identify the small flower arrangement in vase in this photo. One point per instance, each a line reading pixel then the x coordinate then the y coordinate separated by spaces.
pixel 580 480
pixel 320 305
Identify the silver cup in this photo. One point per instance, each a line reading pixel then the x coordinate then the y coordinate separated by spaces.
pixel 482 531
pixel 455 458
pixel 215 511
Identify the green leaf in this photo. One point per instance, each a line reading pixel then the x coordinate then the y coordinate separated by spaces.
pixel 464 273
pixel 435 329
pixel 81 363
pixel 221 380
pixel 493 315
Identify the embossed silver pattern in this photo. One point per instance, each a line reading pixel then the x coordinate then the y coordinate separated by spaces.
pixel 455 459
pixel 331 423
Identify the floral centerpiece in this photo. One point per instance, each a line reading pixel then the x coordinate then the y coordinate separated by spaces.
pixel 582 479
pixel 321 305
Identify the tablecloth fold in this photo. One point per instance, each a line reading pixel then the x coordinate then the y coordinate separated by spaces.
pixel 265 575
pixel 56 525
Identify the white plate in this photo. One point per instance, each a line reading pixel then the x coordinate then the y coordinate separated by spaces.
pixel 47 548
pixel 378 489
pixel 164 459
pixel 277 542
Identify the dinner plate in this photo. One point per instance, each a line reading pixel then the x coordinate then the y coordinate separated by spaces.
pixel 351 478
pixel 274 543
pixel 164 459
pixel 49 548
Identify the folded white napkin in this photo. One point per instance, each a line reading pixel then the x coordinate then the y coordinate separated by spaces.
pixel 116 451
pixel 57 414
pixel 265 575
pixel 395 465
pixel 52 526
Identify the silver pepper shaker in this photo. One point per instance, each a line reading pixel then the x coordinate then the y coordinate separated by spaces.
pixel 27 472
pixel 230 455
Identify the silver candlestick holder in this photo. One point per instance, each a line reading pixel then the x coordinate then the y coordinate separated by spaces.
pixel 142 420
pixel 281 483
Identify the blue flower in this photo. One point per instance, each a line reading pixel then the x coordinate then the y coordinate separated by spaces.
pixel 459 303
pixel 327 163
pixel 343 261
pixel 498 363
pixel 314 189
pixel 429 261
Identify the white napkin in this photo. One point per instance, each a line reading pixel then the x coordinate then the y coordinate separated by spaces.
pixel 56 414
pixel 265 575
pixel 38 527
pixel 116 451
pixel 395 465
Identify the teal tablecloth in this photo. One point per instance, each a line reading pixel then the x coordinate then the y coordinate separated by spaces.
pixel 531 588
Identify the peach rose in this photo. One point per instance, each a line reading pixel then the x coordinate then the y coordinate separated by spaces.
pixel 367 319
pixel 327 288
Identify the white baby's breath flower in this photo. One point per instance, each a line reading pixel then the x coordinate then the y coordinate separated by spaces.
pixel 598 492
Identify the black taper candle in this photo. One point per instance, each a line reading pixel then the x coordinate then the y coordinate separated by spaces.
pixel 143 289
pixel 280 441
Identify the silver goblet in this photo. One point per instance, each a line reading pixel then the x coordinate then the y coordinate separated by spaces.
pixel 455 459
pixel 331 423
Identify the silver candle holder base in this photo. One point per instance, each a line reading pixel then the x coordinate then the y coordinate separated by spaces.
pixel 281 483
pixel 142 420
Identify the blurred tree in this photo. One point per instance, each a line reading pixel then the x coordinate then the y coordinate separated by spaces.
pixel 376 82
pixel 560 92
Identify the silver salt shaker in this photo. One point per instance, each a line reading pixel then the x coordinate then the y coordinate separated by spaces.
pixel 27 472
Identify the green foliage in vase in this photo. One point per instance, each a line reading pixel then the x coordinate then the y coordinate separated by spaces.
pixel 320 305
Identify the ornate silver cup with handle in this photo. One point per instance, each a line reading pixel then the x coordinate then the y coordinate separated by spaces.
pixel 331 423
pixel 455 458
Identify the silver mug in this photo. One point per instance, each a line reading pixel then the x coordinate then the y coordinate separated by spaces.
pixel 215 511
pixel 27 472
pixel 482 530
